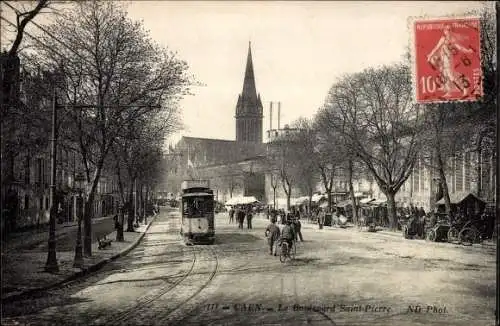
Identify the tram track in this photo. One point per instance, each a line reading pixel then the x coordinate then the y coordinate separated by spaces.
pixel 143 302
pixel 177 314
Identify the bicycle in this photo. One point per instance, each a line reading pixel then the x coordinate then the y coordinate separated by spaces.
pixel 287 252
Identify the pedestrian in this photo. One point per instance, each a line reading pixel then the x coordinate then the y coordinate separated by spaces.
pixel 241 218
pixel 249 218
pixel 321 218
pixel 231 215
pixel 297 226
pixel 272 234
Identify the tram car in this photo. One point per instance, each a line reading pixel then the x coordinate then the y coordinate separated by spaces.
pixel 197 212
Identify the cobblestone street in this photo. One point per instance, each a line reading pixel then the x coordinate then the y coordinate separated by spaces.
pixel 339 277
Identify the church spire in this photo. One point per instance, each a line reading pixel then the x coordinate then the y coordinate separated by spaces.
pixel 249 107
pixel 249 91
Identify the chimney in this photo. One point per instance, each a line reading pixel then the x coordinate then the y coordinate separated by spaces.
pixel 271 116
pixel 279 113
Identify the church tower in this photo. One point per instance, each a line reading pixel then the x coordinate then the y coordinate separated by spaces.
pixel 249 108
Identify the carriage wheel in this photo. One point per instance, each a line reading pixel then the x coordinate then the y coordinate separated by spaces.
pixel 467 236
pixel 452 234
pixel 431 235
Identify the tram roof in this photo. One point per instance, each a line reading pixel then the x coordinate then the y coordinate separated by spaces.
pixel 197 194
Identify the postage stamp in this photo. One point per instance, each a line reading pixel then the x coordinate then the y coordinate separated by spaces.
pixel 447 59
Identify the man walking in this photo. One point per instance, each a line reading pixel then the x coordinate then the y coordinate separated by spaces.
pixel 272 234
pixel 249 217
pixel 241 218
pixel 297 226
pixel 231 215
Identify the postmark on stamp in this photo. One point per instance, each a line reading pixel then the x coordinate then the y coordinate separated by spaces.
pixel 447 59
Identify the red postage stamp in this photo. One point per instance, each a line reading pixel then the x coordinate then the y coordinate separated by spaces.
pixel 447 59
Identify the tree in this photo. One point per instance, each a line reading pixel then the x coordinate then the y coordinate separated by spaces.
pixel 306 156
pixel 336 154
pixel 381 126
pixel 140 147
pixel 118 74
pixel 281 158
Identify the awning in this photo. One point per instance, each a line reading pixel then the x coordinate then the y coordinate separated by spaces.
pixel 366 200
pixel 197 194
pixel 458 197
pixel 317 197
pixel 378 202
pixel 344 203
pixel 242 200
pixel 299 200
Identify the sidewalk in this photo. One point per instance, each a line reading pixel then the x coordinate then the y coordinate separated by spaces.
pixel 18 240
pixel 23 271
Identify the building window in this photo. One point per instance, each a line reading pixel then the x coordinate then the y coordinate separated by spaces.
pixel 426 179
pixel 468 170
pixel 459 173
pixel 26 201
pixel 46 202
pixel 38 172
pixel 27 170
pixel 416 177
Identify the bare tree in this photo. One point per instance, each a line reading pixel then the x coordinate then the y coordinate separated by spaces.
pixel 282 158
pixel 307 157
pixel 376 116
pixel 24 15
pixel 116 72
pixel 337 156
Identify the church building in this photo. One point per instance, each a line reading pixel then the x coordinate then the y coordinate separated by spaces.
pixel 232 166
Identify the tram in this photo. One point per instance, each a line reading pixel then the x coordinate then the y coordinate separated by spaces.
pixel 197 212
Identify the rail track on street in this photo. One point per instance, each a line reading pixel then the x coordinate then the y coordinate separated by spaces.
pixel 158 304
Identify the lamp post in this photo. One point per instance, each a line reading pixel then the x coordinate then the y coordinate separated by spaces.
pixel 51 265
pixel 78 262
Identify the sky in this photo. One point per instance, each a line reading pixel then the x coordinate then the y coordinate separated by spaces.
pixel 299 50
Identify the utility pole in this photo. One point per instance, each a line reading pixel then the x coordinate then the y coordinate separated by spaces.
pixel 51 266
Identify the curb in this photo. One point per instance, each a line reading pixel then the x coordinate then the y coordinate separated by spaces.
pixel 81 273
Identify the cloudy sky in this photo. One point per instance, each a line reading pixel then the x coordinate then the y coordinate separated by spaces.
pixel 299 49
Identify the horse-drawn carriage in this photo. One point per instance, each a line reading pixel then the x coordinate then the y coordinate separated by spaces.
pixel 463 230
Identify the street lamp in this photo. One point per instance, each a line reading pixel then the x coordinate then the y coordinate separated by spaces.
pixel 51 265
pixel 79 186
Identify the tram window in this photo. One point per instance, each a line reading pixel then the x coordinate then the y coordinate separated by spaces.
pixel 197 206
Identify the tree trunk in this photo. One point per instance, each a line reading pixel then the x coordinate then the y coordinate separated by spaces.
pixel 143 204
pixel 329 196
pixel 88 214
pixel 444 183
pixel 87 226
pixel 119 230
pixel 351 192
pixel 274 197
pixel 130 219
pixel 391 209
